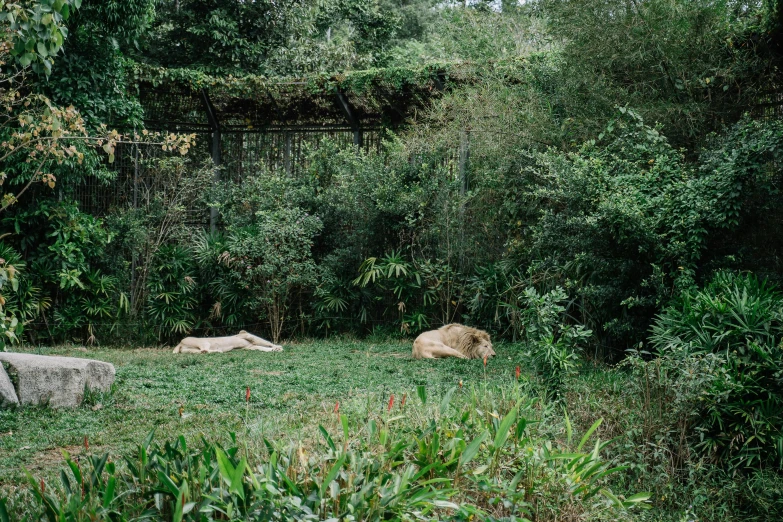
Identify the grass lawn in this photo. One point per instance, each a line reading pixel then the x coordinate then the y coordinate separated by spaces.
pixel 291 394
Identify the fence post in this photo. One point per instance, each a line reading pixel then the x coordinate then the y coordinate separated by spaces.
pixel 287 153
pixel 135 206
pixel 214 126
pixel 342 102
pixel 464 157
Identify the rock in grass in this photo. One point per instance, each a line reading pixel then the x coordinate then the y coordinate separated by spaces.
pixel 7 393
pixel 58 382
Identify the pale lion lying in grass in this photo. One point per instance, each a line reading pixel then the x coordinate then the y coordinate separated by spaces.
pixel 453 340
pixel 242 340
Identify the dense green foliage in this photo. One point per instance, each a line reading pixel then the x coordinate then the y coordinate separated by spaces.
pixel 379 471
pixel 734 329
pixel 295 391
pixel 586 177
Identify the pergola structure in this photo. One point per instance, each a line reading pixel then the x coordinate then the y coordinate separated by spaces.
pixel 250 122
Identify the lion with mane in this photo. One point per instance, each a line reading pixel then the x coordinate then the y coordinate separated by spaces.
pixel 453 340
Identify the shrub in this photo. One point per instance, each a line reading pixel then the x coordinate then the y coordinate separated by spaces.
pixel 448 460
pixel 555 344
pixel 629 220
pixel 736 322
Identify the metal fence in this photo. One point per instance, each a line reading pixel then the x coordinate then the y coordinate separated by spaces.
pixel 132 182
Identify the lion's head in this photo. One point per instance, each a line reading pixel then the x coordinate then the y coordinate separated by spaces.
pixel 475 343
pixel 482 345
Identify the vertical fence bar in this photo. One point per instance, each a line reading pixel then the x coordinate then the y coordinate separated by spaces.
pixel 464 157
pixel 216 160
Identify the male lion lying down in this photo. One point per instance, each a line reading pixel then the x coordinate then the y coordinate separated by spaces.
pixel 453 340
pixel 243 339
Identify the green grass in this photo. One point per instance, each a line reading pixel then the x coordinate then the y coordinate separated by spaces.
pixel 291 393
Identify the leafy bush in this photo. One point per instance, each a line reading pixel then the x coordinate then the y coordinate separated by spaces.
pixel 171 287
pixel 269 245
pixel 629 220
pixel 736 322
pixel 556 346
pixel 451 460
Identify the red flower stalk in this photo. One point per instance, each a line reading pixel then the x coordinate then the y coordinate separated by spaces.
pixel 460 384
pixel 86 444
pixel 485 361
pixel 391 402
pixel 247 394
pixel 517 372
pixel 404 398
pixel 43 486
pixel 336 407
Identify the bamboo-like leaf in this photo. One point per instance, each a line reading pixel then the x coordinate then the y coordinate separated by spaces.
pixel 182 495
pixel 472 449
pixel 444 404
pixel 4 512
pixel 166 480
pixel 236 479
pixel 108 495
pixel 589 432
pixel 344 422
pixel 505 427
pixel 332 474
pixel 327 438
pixel 421 391
pixel 638 499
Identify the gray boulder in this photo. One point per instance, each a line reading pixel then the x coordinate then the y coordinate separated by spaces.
pixel 7 393
pixel 58 382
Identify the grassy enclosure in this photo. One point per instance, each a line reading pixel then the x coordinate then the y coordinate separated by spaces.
pixel 292 407
pixel 291 392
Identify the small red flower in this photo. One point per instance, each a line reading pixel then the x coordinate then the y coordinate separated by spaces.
pixel 43 486
pixel 86 444
pixel 460 384
pixel 485 361
pixel 404 398
pixel 391 402
pixel 247 394
pixel 517 372
pixel 336 407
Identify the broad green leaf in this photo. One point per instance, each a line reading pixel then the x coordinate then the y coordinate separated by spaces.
pixel 421 391
pixel 505 426
pixel 472 449
pixel 332 474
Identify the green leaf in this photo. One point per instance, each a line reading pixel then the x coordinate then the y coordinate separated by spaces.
pixel 166 480
pixel 108 495
pixel 182 496
pixel 4 512
pixel 327 438
pixel 444 404
pixel 332 474
pixel 589 432
pixel 505 426
pixel 225 467
pixel 344 422
pixel 236 479
pixel 472 449
pixel 421 391
pixel 41 47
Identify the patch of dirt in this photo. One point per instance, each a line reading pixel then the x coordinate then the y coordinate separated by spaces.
pixel 54 457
